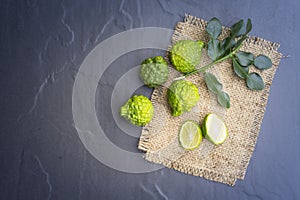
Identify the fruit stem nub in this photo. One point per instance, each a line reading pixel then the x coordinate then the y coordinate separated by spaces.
pixel 124 110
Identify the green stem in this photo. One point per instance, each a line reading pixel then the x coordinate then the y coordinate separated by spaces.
pixel 203 69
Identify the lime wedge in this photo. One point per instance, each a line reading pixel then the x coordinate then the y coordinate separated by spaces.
pixel 214 129
pixel 190 135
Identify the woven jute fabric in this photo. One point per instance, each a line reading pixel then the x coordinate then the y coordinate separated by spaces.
pixel 227 162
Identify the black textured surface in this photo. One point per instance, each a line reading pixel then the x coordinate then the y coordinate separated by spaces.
pixel 43 43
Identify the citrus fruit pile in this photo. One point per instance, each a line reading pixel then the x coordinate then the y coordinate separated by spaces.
pixel 182 96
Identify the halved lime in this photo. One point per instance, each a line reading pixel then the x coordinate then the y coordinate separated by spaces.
pixel 214 129
pixel 190 135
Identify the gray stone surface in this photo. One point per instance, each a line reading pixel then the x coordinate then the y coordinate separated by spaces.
pixel 42 45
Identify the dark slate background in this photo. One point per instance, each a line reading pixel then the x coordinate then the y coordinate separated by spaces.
pixel 43 43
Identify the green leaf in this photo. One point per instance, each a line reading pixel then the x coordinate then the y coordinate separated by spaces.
pixel 245 58
pixel 216 87
pixel 214 49
pixel 237 29
pixel 248 26
pixel 224 99
pixel 212 83
pixel 239 42
pixel 262 62
pixel 242 72
pixel 255 82
pixel 214 28
pixel 228 43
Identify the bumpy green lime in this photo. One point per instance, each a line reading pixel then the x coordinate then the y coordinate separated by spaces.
pixel 138 110
pixel 154 71
pixel 182 96
pixel 185 55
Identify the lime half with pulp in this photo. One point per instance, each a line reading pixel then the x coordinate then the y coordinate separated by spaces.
pixel 214 129
pixel 190 135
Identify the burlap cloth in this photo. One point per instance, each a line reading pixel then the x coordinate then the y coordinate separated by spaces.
pixel 227 162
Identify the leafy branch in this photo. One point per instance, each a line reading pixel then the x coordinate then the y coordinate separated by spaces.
pixel 229 48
